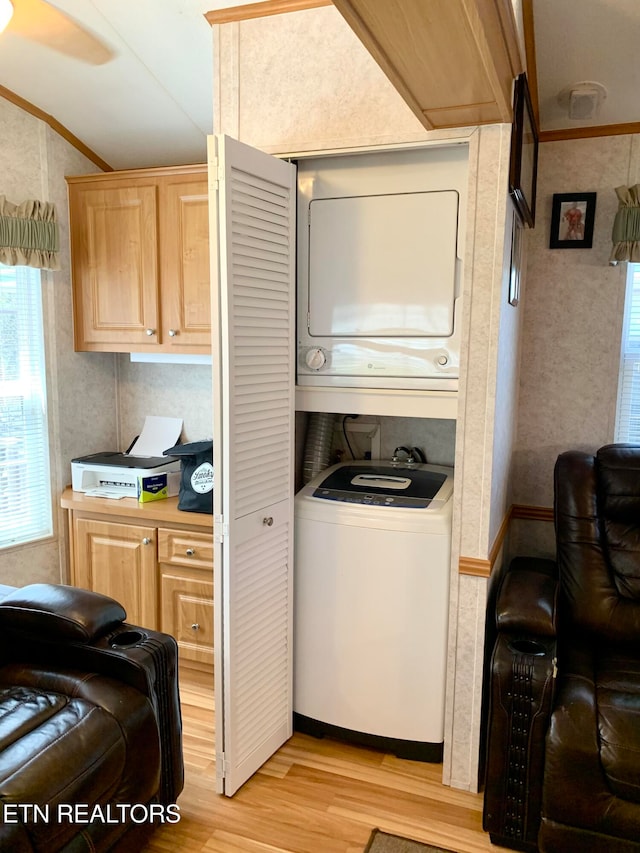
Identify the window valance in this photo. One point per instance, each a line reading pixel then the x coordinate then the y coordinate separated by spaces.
pixel 29 234
pixel 626 226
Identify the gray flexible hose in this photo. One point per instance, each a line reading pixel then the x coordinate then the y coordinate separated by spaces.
pixel 317 448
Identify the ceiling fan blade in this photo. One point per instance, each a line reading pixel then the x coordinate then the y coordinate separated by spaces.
pixel 38 21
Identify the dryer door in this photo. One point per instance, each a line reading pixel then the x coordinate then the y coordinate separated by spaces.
pixel 383 265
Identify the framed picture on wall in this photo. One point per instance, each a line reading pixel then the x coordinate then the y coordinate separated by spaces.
pixel 523 165
pixel 572 218
pixel 516 259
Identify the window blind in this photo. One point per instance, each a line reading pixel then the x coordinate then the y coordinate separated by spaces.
pixel 628 409
pixel 25 490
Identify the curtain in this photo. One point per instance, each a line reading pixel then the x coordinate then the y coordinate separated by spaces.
pixel 29 234
pixel 626 226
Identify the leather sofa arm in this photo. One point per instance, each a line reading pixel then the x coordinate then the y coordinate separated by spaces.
pixel 58 612
pixel 527 600
pixel 74 630
pixel 520 695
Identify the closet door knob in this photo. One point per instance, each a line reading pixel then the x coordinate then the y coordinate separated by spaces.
pixel 267 521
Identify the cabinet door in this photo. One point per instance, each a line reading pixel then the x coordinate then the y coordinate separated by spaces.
pixel 114 259
pixel 184 274
pixel 119 560
pixel 186 611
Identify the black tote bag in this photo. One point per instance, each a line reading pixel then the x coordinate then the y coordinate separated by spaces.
pixel 196 475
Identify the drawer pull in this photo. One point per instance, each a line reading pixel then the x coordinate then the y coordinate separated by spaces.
pixel 146 541
pixel 267 521
pixel 195 627
pixel 190 552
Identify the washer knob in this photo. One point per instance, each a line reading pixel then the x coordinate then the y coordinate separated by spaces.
pixel 315 359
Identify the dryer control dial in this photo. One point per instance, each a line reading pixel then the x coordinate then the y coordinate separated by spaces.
pixel 315 358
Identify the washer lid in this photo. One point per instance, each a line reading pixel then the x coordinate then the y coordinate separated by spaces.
pixel 382 485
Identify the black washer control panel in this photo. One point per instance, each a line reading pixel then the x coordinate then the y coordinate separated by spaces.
pixel 371 499
pixel 381 485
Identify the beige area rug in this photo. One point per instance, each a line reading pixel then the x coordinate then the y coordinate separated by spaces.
pixel 383 842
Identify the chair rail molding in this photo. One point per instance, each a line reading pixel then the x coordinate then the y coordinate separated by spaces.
pixel 482 568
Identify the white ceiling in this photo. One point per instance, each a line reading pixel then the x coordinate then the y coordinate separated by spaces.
pixel 588 41
pixel 152 103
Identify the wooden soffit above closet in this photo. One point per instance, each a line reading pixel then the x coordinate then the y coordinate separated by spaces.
pixel 453 61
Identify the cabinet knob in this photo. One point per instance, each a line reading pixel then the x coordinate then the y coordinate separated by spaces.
pixel 190 552
pixel 173 333
pixel 150 332
pixel 146 541
pixel 267 521
pixel 195 627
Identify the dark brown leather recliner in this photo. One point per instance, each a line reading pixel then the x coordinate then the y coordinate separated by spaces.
pixel 563 735
pixel 90 726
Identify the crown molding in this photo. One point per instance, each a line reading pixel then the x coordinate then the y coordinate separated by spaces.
pixel 54 124
pixel 261 10
pixel 567 133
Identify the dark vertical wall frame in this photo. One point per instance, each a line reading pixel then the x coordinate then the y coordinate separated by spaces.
pixel 562 236
pixel 523 167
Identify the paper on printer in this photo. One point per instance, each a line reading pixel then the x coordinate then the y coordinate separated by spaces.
pixel 116 475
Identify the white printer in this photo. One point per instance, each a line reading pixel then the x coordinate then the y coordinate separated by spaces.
pixel 143 471
pixel 114 474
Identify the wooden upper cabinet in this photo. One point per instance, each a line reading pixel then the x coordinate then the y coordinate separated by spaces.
pixel 114 238
pixel 140 260
pixel 453 61
pixel 186 292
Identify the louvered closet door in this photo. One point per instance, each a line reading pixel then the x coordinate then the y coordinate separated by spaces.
pixel 252 205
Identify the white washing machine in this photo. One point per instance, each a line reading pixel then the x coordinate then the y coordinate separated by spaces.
pixel 372 563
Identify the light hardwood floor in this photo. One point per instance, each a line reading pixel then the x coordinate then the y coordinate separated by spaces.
pixel 312 796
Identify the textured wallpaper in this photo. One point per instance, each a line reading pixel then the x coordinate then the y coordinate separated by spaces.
pixel 352 101
pixel 171 390
pixel 573 308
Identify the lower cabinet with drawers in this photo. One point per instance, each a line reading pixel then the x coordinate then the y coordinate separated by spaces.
pixel 185 561
pixel 156 560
